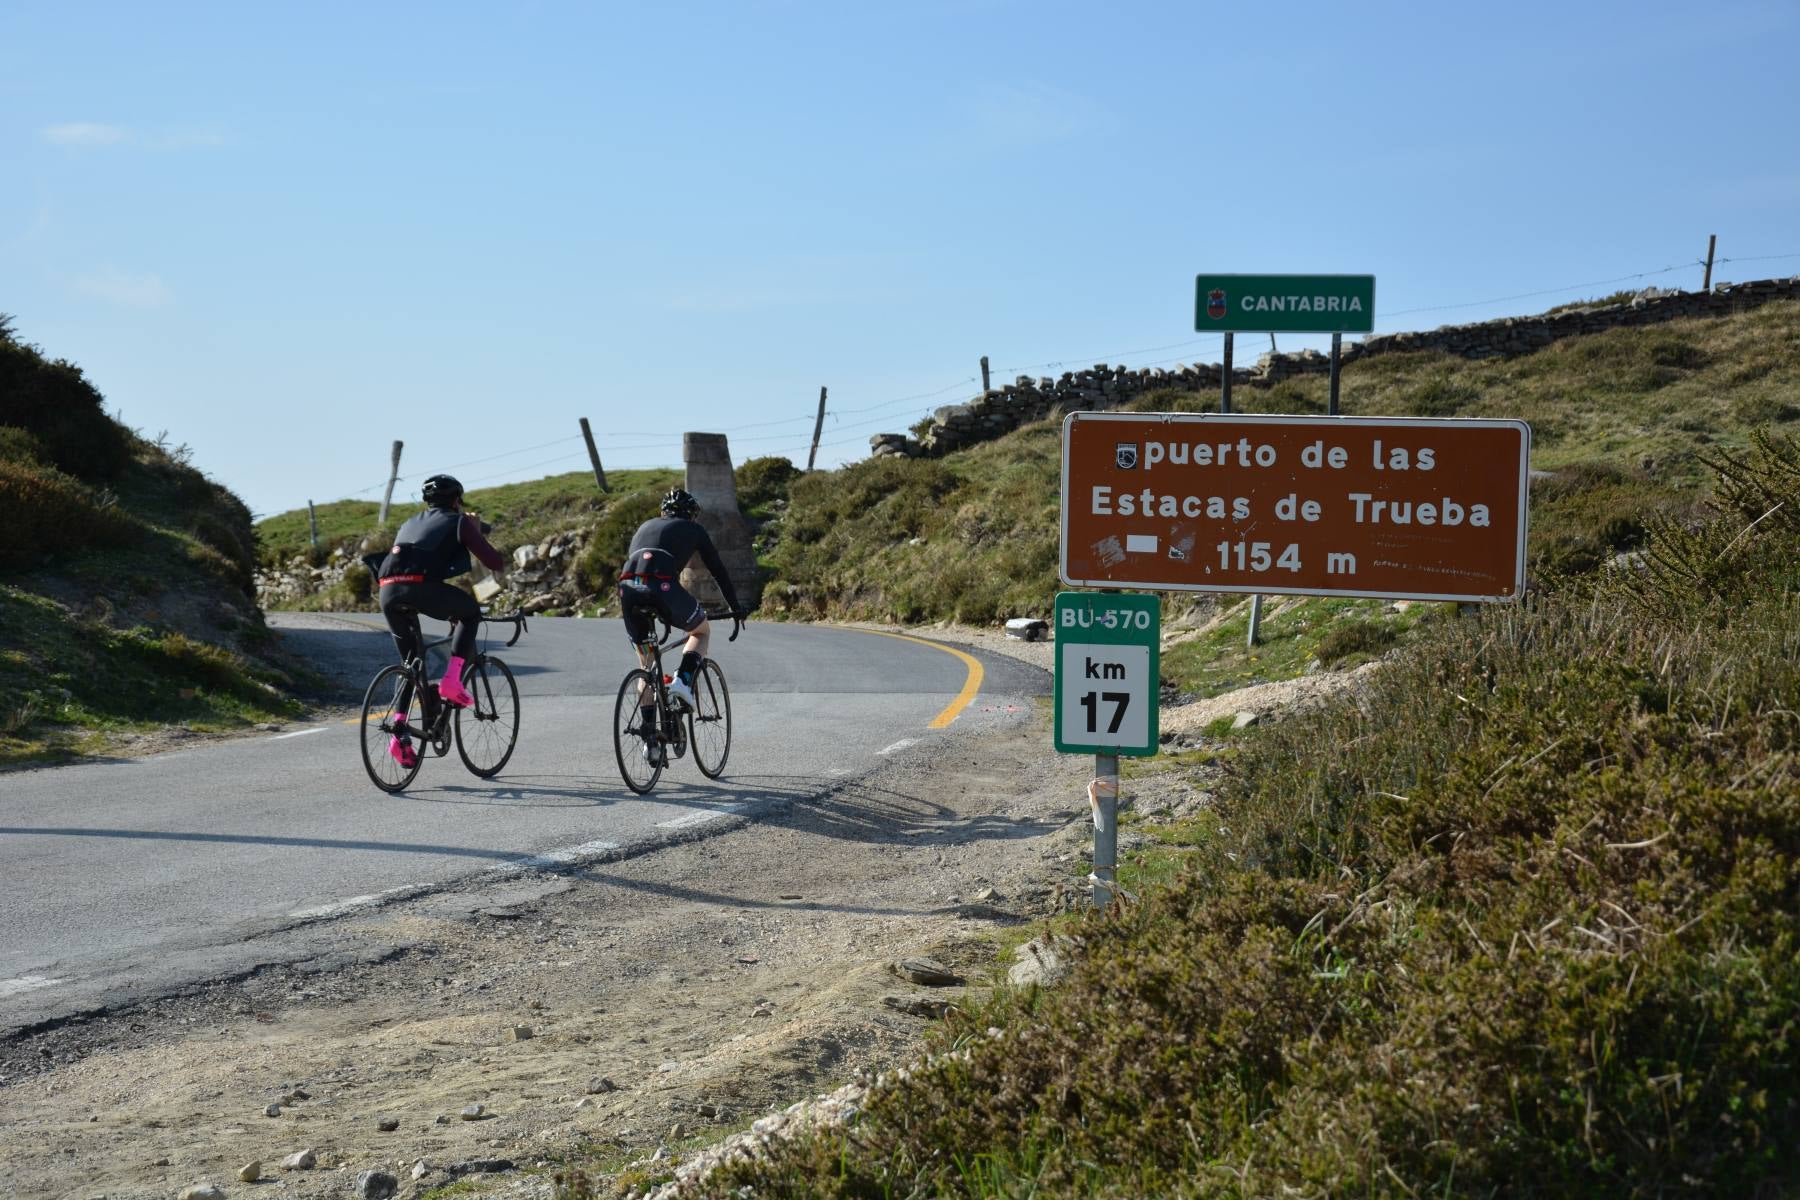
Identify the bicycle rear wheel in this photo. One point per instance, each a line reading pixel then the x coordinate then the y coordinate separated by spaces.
pixel 640 760
pixel 710 722
pixel 381 703
pixel 487 730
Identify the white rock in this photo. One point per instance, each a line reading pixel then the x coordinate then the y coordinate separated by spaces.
pixel 1245 720
pixel 202 1191
pixel 300 1160
pixel 251 1171
pixel 1040 963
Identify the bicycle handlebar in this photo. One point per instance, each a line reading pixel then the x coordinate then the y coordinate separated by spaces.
pixel 737 626
pixel 516 620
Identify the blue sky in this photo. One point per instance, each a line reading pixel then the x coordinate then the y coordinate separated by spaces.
pixel 289 234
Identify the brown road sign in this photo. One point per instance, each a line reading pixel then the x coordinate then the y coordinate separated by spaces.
pixel 1317 506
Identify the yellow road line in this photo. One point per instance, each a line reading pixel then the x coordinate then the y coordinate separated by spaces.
pixel 971 686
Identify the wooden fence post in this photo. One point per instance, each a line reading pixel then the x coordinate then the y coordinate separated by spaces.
pixel 393 474
pixel 587 435
pixel 1712 240
pixel 312 518
pixel 984 373
pixel 818 427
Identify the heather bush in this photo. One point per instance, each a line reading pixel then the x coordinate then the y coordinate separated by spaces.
pixel 47 514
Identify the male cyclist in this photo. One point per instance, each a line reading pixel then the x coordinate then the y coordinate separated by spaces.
pixel 429 549
pixel 650 586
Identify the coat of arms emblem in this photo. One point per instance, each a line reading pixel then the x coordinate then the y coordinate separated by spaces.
pixel 1126 455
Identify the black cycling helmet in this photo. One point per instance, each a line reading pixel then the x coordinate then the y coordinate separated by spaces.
pixel 680 503
pixel 441 491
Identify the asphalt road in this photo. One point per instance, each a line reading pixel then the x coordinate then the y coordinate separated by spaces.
pixel 128 877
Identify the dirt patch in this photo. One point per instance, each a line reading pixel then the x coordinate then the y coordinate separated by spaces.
pixel 1264 700
pixel 708 983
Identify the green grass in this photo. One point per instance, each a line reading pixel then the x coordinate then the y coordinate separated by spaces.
pixel 69 683
pixel 129 578
pixel 1520 919
pixel 1619 418
pixel 521 513
pixel 1294 633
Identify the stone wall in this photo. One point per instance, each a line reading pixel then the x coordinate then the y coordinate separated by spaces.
pixel 1004 409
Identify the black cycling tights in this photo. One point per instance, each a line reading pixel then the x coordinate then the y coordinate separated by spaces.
pixel 400 602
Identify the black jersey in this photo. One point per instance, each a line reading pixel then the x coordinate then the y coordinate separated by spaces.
pixel 664 545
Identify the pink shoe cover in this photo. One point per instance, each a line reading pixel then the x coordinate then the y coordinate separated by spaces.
pixel 403 753
pixel 450 688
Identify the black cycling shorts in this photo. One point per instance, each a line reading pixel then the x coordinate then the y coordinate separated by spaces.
pixel 642 599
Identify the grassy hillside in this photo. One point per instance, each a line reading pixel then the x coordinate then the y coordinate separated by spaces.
pixel 1523 919
pixel 519 512
pixel 126 599
pixel 1617 418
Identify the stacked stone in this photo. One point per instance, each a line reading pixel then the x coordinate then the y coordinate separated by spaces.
pixel 892 445
pixel 710 479
pixel 1105 387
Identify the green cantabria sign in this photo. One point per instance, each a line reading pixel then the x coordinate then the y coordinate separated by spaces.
pixel 1284 303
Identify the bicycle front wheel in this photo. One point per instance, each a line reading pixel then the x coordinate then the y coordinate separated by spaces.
pixel 383 717
pixel 640 758
pixel 710 722
pixel 487 730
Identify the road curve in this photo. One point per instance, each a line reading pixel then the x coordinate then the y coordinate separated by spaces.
pixel 128 877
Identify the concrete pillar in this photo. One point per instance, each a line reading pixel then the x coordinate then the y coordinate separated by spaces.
pixel 709 478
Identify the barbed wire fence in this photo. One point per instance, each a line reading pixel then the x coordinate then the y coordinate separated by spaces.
pixel 639 447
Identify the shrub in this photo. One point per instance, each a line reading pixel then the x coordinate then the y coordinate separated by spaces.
pixel 57 406
pixel 1355 639
pixel 19 446
pixel 235 543
pixel 762 481
pixel 598 567
pixel 48 514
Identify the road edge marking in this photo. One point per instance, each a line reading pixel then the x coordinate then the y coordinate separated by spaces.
pixel 971 685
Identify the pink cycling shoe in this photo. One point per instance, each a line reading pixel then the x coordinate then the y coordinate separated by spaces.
pixel 450 688
pixel 403 752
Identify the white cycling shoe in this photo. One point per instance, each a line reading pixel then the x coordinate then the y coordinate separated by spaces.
pixel 682 692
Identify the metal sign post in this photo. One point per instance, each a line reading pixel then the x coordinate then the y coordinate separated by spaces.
pixel 1225 377
pixel 1337 349
pixel 1108 671
pixel 1106 828
pixel 1332 304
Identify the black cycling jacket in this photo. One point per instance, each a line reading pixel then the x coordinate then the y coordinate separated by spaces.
pixel 435 545
pixel 664 545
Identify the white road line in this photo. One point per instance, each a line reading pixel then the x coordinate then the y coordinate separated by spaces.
pixel 341 906
pixel 902 744
pixel 25 983
pixel 555 858
pixel 701 817
pixel 298 733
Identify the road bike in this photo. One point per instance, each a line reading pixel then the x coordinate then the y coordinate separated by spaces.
pixel 706 727
pixel 404 695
